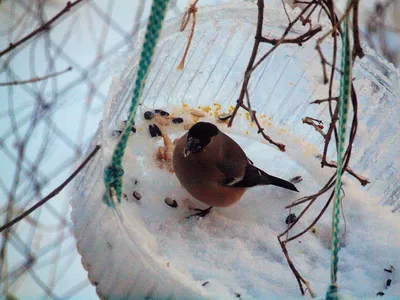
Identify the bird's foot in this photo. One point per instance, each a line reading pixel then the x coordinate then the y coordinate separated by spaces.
pixel 200 212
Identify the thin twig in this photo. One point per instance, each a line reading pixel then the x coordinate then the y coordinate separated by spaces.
pixel 53 193
pixel 319 101
pixel 298 40
pixel 318 127
pixel 44 27
pixel 35 79
pixel 192 10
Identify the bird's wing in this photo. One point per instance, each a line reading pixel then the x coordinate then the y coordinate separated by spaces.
pixel 231 174
pixel 252 176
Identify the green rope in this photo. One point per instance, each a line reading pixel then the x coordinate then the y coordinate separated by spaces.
pixel 345 93
pixel 114 171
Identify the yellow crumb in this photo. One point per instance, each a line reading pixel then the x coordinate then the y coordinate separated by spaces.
pixel 206 109
pixel 184 105
pixel 247 116
pixel 269 118
pixel 269 124
pixel 217 106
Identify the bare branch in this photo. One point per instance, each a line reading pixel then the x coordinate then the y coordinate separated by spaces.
pixel 44 27
pixel 35 79
pixel 53 193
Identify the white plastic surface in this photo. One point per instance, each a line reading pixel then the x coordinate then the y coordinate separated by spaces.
pixel 148 249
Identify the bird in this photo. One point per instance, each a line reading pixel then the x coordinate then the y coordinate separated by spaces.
pixel 215 170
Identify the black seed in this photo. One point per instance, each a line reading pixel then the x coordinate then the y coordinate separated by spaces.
pixel 296 179
pixel 380 294
pixel 389 271
pixel 152 131
pixel 237 295
pixel 157 130
pixel 177 120
pixel 125 197
pixel 137 195
pixel 171 202
pixel 136 182
pixel 291 218
pixel 224 117
pixel 96 283
pixel 148 115
pixel 205 283
pixel 133 129
pixel 116 133
pixel 161 112
pixel 388 282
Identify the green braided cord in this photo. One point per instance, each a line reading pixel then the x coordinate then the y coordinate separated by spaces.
pixel 113 173
pixel 345 93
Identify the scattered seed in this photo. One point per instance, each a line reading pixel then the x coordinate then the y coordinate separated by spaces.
pixel 238 295
pixel 197 113
pixel 161 112
pixel 291 218
pixel 161 153
pixel 157 130
pixel 205 283
pixel 133 129
pixel 314 229
pixel 177 120
pixel 116 133
pixel 296 179
pixel 96 283
pixel 171 202
pixel 136 182
pixel 137 195
pixel 380 294
pixel 153 131
pixel 388 282
pixel 148 115
pixel 163 121
pixel 224 117
pixel 390 270
pixel 125 197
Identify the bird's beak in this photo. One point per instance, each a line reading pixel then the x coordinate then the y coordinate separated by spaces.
pixel 186 152
pixel 192 146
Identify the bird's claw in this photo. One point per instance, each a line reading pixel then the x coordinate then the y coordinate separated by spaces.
pixel 200 212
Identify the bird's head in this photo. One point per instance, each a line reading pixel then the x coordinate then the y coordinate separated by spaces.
pixel 199 136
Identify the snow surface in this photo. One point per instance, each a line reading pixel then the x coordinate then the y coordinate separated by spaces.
pixel 235 249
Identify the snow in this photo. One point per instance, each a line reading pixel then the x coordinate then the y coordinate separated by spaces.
pixel 146 248
pixel 235 249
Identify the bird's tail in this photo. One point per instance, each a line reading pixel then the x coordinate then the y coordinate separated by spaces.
pixel 254 176
pixel 272 180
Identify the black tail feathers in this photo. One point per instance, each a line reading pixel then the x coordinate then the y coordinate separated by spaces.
pixel 280 182
pixel 254 176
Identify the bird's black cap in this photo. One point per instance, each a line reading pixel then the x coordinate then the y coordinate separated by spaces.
pixel 200 136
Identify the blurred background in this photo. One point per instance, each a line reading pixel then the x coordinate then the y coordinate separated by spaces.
pixel 54 81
